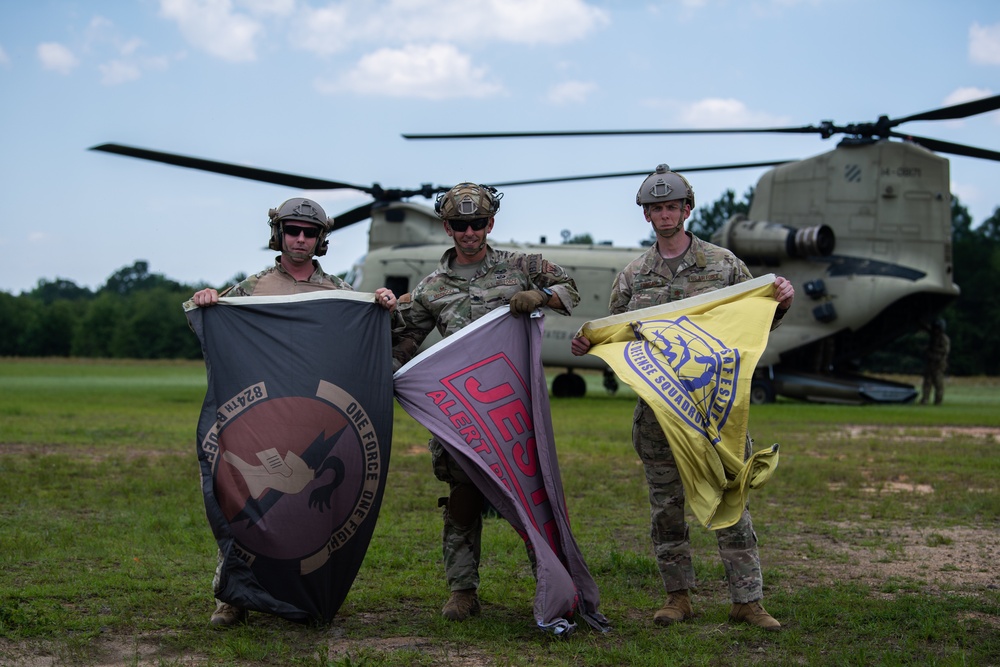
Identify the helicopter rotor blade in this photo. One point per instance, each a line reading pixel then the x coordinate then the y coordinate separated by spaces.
pixel 625 174
pixel 882 128
pixel 228 169
pixel 948 147
pixel 956 111
pixel 807 129
pixel 353 216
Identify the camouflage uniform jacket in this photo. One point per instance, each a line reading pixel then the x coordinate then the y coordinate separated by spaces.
pixel 939 347
pixel 449 302
pixel 275 281
pixel 647 280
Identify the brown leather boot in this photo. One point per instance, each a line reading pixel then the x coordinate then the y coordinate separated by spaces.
pixel 677 608
pixel 754 614
pixel 461 605
pixel 226 614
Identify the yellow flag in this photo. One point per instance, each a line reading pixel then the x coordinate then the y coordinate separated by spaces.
pixel 692 361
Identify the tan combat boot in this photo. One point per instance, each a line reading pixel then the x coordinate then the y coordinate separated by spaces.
pixel 677 608
pixel 754 614
pixel 226 614
pixel 461 605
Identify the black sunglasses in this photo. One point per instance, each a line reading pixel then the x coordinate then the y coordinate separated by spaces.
pixel 295 230
pixel 460 226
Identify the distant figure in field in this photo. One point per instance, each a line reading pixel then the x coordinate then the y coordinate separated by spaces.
pixel 936 364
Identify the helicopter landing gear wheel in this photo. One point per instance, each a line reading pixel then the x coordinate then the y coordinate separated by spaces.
pixel 569 385
pixel 761 392
pixel 610 381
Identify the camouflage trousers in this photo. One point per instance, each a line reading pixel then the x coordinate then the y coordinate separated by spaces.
pixel 217 579
pixel 933 379
pixel 669 528
pixel 462 534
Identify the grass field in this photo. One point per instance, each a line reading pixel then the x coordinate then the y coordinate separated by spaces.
pixel 879 538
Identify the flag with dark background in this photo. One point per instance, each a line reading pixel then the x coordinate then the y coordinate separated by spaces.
pixel 293 444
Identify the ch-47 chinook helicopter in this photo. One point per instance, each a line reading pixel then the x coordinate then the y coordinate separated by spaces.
pixel 862 231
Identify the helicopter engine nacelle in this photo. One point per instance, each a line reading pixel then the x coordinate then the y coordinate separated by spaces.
pixel 760 243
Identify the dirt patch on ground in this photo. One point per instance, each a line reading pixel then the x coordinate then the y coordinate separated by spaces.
pixel 936 559
pixel 919 433
pixel 889 560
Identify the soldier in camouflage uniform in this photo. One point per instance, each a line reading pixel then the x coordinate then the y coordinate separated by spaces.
pixel 677 266
pixel 472 279
pixel 299 228
pixel 938 348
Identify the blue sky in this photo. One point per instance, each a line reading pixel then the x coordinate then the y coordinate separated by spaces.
pixel 326 89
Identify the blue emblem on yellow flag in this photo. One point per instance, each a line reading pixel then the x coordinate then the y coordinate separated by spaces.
pixel 692 361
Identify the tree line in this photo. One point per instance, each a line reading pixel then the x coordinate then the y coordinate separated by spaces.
pixel 137 314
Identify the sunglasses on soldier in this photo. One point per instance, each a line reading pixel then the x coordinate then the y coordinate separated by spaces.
pixel 460 226
pixel 294 231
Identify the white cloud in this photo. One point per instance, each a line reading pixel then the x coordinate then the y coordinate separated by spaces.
pixel 717 112
pixel 4 59
pixel 984 44
pixel 213 26
pixel 478 21
pixel 127 62
pixel 968 94
pixel 553 21
pixel 118 71
pixel 229 29
pixel 320 31
pixel 438 71
pixel 98 30
pixel 130 46
pixel 269 7
pixel 571 92
pixel 57 57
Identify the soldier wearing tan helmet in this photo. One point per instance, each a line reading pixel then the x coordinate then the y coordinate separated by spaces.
pixel 299 228
pixel 472 279
pixel 679 265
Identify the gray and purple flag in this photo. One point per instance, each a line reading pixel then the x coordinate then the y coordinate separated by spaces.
pixel 293 444
pixel 482 393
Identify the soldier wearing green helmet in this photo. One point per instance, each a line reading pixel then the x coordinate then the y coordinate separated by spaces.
pixel 679 265
pixel 299 228
pixel 472 279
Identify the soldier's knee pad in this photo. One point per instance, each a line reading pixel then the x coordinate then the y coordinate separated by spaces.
pixel 465 504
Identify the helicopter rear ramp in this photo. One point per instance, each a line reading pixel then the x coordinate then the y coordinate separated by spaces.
pixel 846 389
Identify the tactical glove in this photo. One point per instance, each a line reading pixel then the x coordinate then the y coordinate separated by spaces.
pixel 527 301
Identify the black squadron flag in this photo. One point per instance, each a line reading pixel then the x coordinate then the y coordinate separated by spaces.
pixel 293 444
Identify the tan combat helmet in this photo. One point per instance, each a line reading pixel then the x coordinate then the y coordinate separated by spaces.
pixel 299 209
pixel 468 201
pixel 664 185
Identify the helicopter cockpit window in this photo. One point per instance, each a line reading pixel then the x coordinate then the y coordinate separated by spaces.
pixel 398 284
pixel 355 274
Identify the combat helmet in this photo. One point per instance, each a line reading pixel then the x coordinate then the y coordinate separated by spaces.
pixel 299 209
pixel 664 185
pixel 468 201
